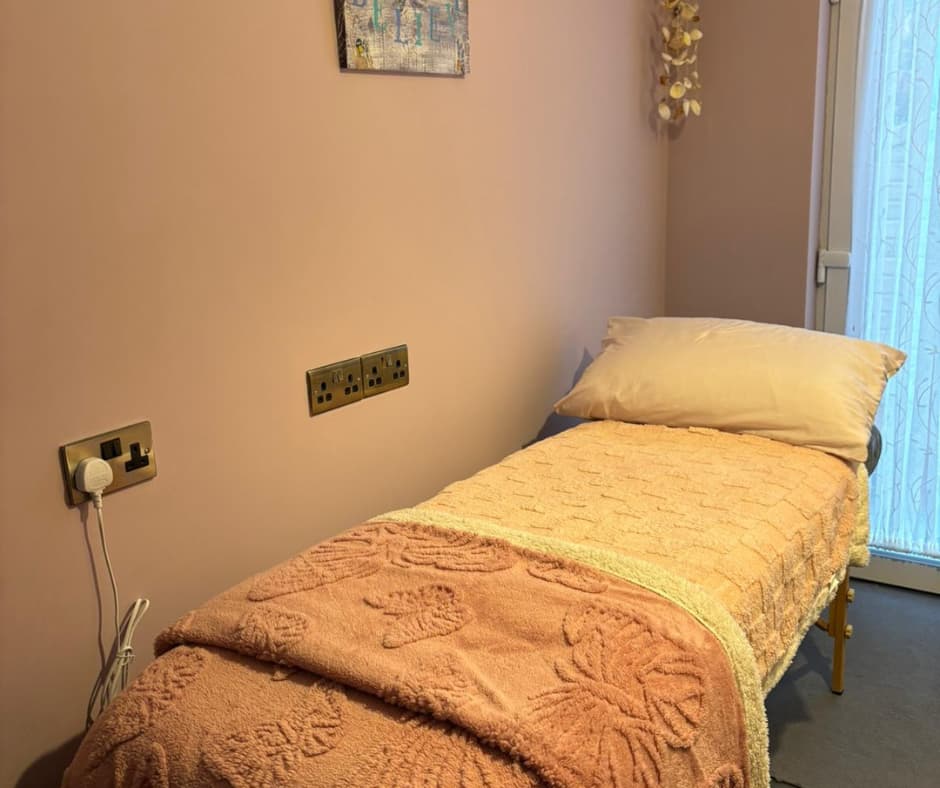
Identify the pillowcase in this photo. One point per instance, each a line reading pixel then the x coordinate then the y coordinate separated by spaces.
pixel 803 387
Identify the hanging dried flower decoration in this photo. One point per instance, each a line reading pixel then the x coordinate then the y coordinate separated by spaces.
pixel 680 83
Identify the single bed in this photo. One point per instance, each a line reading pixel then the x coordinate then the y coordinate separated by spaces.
pixel 607 607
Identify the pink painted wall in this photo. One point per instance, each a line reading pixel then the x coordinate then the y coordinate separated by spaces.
pixel 744 178
pixel 198 206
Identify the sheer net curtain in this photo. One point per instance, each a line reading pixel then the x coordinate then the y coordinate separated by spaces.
pixel 894 294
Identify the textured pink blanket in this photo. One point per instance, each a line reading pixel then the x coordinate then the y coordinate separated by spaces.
pixel 404 655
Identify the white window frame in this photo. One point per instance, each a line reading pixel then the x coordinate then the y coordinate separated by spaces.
pixel 833 267
pixel 835 220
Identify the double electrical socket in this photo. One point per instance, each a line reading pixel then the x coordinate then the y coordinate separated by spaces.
pixel 128 450
pixel 335 385
pixel 385 370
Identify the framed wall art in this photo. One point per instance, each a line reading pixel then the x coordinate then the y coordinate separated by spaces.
pixel 404 36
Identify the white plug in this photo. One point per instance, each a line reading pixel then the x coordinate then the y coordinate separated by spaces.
pixel 92 476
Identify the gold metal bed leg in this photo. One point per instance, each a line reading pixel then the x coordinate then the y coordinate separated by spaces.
pixel 840 631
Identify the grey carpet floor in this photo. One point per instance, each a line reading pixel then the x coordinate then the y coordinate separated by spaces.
pixel 884 731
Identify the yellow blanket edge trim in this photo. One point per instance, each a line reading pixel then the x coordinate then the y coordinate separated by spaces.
pixel 859 555
pixel 690 597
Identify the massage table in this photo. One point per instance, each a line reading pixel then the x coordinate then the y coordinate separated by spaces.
pixel 609 606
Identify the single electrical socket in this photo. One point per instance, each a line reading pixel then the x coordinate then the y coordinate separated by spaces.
pixel 334 385
pixel 128 450
pixel 385 370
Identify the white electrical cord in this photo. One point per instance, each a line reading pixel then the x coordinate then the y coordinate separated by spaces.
pixel 107 559
pixel 92 476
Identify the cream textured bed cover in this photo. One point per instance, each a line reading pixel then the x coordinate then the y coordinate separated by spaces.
pixel 762 527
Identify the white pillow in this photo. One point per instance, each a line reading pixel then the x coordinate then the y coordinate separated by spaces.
pixel 807 388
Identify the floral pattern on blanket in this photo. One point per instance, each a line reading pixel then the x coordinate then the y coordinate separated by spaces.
pixel 363 552
pixel 268 754
pixel 432 754
pixel 552 570
pixel 267 632
pixel 628 692
pixel 425 612
pixel 728 776
pixel 438 686
pixel 154 692
pixel 148 769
